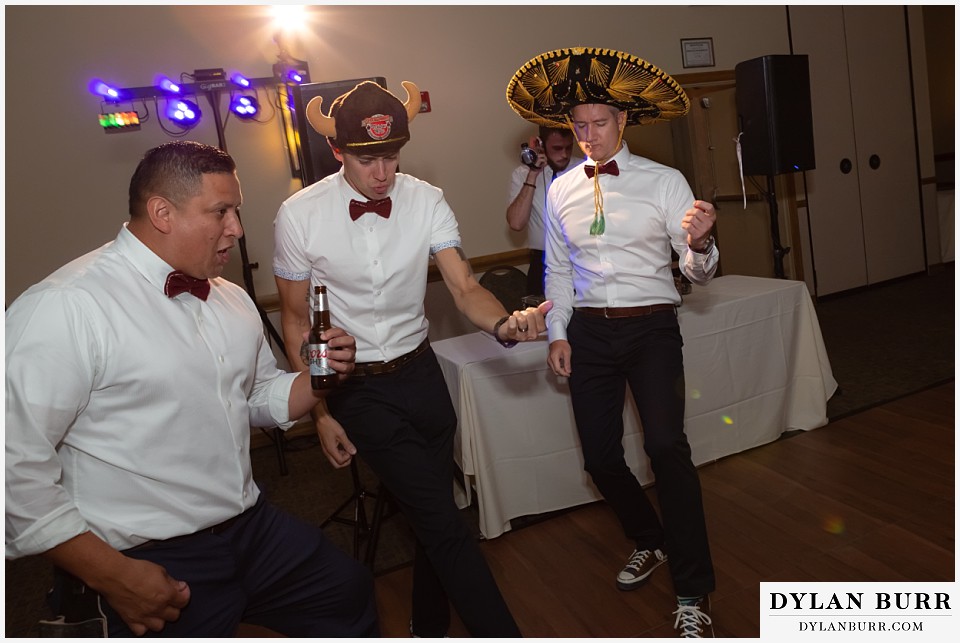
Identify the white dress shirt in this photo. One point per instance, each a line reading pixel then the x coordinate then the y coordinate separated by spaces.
pixel 630 263
pixel 375 269
pixel 535 229
pixel 128 413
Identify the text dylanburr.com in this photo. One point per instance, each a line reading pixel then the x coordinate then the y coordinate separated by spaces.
pixel 862 611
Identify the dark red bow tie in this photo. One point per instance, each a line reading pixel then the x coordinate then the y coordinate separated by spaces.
pixel 610 167
pixel 380 206
pixel 178 282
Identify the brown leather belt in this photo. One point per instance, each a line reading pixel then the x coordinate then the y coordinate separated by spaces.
pixel 630 311
pixel 362 369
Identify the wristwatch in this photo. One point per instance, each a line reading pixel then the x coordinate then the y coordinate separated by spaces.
pixel 506 343
pixel 707 247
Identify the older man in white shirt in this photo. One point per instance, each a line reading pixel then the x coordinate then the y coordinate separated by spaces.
pixel 134 374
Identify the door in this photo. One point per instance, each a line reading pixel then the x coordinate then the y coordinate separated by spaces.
pixel 863 199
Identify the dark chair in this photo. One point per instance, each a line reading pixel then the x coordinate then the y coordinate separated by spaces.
pixel 508 284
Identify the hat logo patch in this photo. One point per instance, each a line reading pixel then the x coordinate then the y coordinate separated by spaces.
pixel 378 126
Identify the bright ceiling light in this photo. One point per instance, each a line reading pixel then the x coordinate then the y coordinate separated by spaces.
pixel 288 18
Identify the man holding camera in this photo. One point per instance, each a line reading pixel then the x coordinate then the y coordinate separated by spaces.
pixel 543 159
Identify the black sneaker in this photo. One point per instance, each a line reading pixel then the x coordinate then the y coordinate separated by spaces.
pixel 417 636
pixel 693 618
pixel 639 567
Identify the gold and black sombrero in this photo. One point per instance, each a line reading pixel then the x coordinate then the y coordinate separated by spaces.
pixel 545 89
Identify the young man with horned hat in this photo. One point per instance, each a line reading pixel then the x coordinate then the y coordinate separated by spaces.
pixel 611 225
pixel 366 233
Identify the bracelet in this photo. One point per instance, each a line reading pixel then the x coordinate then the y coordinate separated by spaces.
pixel 532 185
pixel 506 343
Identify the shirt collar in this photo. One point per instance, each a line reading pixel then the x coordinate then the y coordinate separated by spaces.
pixel 144 260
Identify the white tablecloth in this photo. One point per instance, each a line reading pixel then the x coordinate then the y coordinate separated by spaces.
pixel 755 366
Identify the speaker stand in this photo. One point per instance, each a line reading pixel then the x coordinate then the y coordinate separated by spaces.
pixel 779 252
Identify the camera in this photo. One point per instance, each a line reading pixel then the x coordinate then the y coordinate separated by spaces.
pixel 528 156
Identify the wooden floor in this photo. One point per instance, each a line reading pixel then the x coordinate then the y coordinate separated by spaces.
pixel 867 498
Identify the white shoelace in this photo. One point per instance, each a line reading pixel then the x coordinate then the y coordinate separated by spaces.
pixel 639 557
pixel 690 621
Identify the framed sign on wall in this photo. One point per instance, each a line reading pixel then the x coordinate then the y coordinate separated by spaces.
pixel 697 52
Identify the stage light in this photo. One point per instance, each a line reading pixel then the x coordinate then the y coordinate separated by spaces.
pixel 167 85
pixel 120 121
pixel 244 107
pixel 295 76
pixel 183 112
pixel 104 90
pixel 240 80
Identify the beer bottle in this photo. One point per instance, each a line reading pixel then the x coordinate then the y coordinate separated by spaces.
pixel 321 375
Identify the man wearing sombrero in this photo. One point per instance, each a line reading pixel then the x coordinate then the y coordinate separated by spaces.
pixel 610 227
pixel 366 233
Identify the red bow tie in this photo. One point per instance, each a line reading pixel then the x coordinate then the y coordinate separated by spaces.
pixel 380 206
pixel 178 282
pixel 610 167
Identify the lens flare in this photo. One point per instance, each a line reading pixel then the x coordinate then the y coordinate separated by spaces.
pixel 834 525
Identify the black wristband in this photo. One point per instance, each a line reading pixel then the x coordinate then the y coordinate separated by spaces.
pixel 506 343
pixel 532 185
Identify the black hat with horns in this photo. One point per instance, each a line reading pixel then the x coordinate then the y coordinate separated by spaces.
pixel 367 119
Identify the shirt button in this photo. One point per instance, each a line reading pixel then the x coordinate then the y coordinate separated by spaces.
pixel 221 359
pixel 376 263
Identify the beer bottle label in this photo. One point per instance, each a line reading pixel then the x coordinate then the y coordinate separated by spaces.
pixel 317 359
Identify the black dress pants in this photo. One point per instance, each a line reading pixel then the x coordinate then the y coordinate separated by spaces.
pixel 403 425
pixel 535 271
pixel 646 353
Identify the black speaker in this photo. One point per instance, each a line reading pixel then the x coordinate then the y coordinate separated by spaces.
pixel 773 105
pixel 316 159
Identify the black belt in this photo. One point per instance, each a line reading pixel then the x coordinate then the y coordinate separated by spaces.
pixel 362 369
pixel 630 311
pixel 219 528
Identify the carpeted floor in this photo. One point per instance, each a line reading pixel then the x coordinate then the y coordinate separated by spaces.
pixel 890 340
pixel 883 342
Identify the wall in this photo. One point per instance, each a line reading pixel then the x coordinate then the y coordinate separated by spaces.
pixel 66 180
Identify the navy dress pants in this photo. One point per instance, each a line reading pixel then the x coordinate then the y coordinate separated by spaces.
pixel 403 425
pixel 646 353
pixel 268 569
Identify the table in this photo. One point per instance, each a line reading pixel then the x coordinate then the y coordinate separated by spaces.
pixel 755 366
